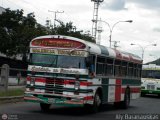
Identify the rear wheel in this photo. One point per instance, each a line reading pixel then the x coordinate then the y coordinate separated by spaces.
pixel 125 104
pixel 45 107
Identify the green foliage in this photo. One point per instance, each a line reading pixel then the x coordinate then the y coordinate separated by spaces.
pixel 16 32
pixel 157 62
pixel 12 92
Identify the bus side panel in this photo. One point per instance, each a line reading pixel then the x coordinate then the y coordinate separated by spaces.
pixel 135 88
pixel 105 82
pixel 111 90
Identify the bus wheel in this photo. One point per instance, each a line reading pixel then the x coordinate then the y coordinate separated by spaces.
pixel 125 104
pixel 97 102
pixel 142 94
pixel 45 107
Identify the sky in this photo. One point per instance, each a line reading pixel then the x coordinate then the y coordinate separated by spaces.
pixel 144 31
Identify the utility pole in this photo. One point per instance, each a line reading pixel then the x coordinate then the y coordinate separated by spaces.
pixel 115 44
pixel 99 30
pixel 95 17
pixel 55 15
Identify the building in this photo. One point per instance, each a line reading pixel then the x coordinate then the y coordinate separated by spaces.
pixel 2 10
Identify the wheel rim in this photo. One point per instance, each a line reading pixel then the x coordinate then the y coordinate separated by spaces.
pixel 127 100
pixel 97 100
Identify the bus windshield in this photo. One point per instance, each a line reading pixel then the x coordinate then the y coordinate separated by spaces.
pixel 57 61
pixel 151 74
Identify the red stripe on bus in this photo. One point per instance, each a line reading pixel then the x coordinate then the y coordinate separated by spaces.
pixel 85 83
pixel 88 98
pixel 43 80
pixel 132 90
pixel 118 91
pixel 69 82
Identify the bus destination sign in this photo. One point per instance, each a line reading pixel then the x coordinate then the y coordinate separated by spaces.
pixel 58 43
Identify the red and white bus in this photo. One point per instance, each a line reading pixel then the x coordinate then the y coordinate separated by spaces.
pixel 69 71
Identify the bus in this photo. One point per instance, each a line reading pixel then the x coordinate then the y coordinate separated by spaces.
pixel 150 79
pixel 65 70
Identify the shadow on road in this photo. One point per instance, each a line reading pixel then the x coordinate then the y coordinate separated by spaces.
pixel 151 96
pixel 79 111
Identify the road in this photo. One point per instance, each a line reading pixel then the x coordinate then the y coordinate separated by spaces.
pixel 31 111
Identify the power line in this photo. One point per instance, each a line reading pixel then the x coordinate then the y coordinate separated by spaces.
pixel 55 15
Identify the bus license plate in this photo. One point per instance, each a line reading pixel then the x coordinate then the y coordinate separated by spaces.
pixel 51 100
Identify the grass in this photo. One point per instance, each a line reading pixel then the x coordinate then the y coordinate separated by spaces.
pixel 12 92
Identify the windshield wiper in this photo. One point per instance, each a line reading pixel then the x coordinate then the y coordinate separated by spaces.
pixel 52 62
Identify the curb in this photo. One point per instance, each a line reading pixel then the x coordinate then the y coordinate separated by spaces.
pixel 11 99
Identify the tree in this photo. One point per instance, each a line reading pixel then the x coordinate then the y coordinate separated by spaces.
pixel 16 32
pixel 70 30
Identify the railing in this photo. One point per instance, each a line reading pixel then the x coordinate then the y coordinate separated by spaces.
pixel 11 77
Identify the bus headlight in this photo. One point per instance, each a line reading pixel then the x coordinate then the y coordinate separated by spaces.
pixel 77 85
pixel 32 82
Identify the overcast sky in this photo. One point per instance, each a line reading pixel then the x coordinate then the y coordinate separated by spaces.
pixel 144 30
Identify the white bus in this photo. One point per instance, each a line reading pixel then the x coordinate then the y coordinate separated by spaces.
pixel 150 79
pixel 69 71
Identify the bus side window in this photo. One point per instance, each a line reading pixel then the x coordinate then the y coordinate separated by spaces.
pixel 90 63
pixel 117 68
pixel 100 67
pixel 109 66
pixel 124 68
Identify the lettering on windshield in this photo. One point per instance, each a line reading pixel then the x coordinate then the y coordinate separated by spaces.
pixel 60 52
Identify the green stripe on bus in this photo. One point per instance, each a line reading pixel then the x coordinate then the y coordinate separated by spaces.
pixel 150 91
pixel 105 88
pixel 131 82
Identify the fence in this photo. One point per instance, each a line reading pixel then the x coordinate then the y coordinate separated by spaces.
pixel 12 77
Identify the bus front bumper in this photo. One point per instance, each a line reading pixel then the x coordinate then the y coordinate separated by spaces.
pixel 68 100
pixel 150 91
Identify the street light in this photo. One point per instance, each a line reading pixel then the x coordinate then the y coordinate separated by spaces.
pixel 111 28
pixel 143 48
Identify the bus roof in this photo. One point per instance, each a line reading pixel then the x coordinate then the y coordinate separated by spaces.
pixel 96 49
pixel 151 67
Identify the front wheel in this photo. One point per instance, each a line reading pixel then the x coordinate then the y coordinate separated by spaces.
pixel 96 104
pixel 45 107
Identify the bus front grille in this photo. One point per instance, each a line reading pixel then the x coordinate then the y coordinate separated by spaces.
pixel 54 86
pixel 150 87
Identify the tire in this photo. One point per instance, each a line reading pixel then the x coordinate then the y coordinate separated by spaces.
pixel 125 104
pixel 96 104
pixel 142 94
pixel 117 105
pixel 45 107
